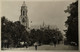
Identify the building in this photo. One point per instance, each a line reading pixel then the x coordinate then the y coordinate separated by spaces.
pixel 23 17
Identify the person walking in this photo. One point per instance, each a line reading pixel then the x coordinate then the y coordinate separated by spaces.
pixel 35 44
pixel 54 41
pixel 26 44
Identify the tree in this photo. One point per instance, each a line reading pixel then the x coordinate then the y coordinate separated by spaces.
pixel 45 35
pixel 13 32
pixel 72 23
pixel 6 29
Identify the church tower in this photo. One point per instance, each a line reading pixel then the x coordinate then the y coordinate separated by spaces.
pixel 23 17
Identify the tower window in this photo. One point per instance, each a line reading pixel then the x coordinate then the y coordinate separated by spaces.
pixel 23 12
pixel 23 20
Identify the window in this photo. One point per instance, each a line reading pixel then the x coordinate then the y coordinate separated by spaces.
pixel 23 12
pixel 23 20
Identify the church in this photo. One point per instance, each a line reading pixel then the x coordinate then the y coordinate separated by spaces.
pixel 23 17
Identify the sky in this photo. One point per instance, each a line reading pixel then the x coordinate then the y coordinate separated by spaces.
pixel 49 12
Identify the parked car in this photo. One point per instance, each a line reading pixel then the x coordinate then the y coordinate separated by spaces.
pixel 22 44
pixel 73 43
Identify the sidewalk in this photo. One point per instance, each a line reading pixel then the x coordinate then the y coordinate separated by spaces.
pixel 47 47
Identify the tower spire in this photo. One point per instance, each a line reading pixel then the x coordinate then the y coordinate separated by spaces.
pixel 23 3
pixel 43 23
